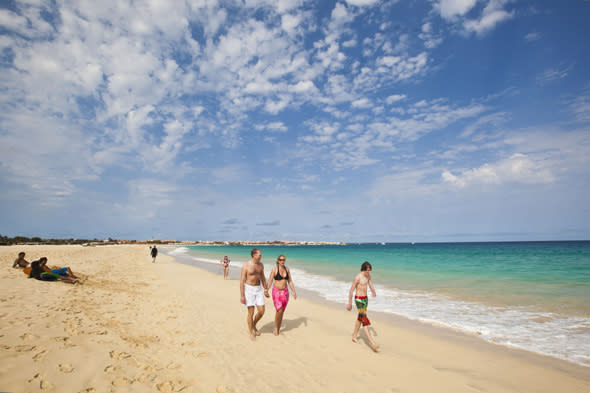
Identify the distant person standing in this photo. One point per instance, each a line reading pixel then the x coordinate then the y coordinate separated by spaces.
pixel 251 291
pixel 225 264
pixel 359 285
pixel 154 254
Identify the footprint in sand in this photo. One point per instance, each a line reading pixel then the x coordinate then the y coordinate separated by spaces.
pixel 65 340
pixel 200 354
pixel 38 357
pixel 121 381
pixel 110 369
pixel 119 355
pixel 66 368
pixel 45 385
pixel 24 348
pixel 224 389
pixel 147 367
pixel 146 377
pixel 71 331
pixel 36 376
pixel 171 386
pixel 89 390
pixel 173 366
pixel 28 336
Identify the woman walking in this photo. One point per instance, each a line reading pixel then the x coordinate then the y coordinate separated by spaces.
pixel 225 264
pixel 281 276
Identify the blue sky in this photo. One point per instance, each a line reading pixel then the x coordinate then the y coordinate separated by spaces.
pixel 350 120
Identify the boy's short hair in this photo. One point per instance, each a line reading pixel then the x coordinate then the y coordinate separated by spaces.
pixel 21 254
pixel 253 251
pixel 42 259
pixel 366 266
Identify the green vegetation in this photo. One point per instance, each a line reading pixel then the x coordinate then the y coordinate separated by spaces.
pixel 7 241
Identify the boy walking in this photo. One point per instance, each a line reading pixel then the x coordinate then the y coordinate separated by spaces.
pixel 359 285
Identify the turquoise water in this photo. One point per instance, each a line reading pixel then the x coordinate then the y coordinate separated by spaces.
pixel 532 295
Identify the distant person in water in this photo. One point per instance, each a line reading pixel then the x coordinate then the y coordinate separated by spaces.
pixel 154 253
pixel 20 262
pixel 225 264
pixel 359 289
pixel 280 293
pixel 40 271
pixel 251 290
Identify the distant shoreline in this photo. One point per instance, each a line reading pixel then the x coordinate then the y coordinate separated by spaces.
pixel 18 240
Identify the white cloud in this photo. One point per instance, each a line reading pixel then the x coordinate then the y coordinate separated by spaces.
pixel 275 106
pixel 13 21
pixel 290 22
pixel 456 11
pixel 518 168
pixel 449 9
pixel 430 116
pixel 492 14
pixel 533 36
pixel 403 68
pixel 362 3
pixel 304 87
pixel 431 40
pixel 490 121
pixel 392 99
pixel 553 74
pixel 277 126
pixel 361 103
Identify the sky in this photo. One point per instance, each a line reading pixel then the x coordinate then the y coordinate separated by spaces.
pixel 348 120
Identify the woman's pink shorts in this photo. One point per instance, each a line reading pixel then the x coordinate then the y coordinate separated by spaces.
pixel 280 297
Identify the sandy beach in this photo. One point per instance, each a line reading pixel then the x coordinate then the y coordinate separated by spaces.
pixel 134 326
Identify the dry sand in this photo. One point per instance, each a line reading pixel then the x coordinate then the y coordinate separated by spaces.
pixel 134 326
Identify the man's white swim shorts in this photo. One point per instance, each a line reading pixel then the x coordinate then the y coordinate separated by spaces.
pixel 254 295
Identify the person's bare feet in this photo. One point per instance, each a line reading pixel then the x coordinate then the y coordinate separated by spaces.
pixel 375 348
pixel 354 340
pixel 252 337
pixel 275 332
pixel 256 332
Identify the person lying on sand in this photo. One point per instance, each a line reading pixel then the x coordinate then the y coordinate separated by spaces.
pixel 20 262
pixel 40 271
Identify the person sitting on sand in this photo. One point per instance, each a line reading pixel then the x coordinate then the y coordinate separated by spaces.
pixel 40 271
pixel 280 293
pixel 359 284
pixel 20 262
pixel 225 264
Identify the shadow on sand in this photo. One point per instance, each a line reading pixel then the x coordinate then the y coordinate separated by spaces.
pixel 288 324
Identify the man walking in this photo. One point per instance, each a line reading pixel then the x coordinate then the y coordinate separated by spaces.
pixel 154 254
pixel 252 293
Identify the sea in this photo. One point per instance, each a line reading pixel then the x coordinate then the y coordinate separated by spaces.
pixel 529 295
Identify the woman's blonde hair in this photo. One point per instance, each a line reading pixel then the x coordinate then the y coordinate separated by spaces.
pixel 279 257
